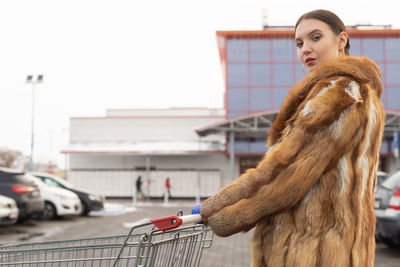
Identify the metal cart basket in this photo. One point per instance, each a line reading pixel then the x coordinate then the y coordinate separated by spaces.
pixel 169 245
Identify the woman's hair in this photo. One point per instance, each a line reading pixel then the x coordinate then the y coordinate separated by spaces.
pixel 330 18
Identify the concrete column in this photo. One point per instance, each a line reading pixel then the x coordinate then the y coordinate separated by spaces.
pixel 148 175
pixel 232 155
pixel 198 181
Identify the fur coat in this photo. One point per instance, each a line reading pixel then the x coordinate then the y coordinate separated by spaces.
pixel 311 196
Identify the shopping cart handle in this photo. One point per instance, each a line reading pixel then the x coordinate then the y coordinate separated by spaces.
pixel 171 222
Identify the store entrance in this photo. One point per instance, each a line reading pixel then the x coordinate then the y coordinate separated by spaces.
pixel 248 163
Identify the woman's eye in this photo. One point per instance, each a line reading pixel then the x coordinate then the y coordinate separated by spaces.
pixel 299 44
pixel 316 37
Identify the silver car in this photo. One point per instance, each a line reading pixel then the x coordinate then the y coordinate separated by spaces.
pixel 387 210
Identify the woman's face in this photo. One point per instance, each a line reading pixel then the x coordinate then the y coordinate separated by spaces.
pixel 316 43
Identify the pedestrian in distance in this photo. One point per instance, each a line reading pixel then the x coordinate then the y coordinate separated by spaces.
pixel 167 187
pixel 139 193
pixel 311 198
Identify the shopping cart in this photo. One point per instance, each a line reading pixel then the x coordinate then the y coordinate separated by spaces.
pixel 169 241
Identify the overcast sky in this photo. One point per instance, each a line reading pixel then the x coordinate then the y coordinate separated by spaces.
pixel 98 54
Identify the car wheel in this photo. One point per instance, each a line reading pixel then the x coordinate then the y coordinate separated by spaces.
pixel 23 218
pixel 49 211
pixel 85 209
pixel 391 243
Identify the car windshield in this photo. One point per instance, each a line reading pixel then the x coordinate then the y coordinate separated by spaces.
pixel 54 181
pixel 50 182
pixel 63 182
pixel 393 181
pixel 32 178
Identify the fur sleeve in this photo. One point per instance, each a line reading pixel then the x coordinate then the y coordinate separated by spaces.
pixel 322 130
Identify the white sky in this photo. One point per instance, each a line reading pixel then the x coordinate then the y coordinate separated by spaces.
pixel 100 54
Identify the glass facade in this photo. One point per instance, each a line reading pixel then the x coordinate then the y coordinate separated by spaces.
pixel 248 146
pixel 260 72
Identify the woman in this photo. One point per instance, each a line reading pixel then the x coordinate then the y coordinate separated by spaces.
pixel 311 196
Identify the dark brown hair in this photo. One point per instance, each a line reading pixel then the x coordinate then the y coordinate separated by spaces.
pixel 330 18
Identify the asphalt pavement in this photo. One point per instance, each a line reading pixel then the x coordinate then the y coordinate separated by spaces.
pixel 120 215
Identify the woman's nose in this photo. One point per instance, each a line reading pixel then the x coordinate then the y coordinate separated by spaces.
pixel 306 49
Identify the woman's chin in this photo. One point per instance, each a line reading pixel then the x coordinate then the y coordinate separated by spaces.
pixel 311 68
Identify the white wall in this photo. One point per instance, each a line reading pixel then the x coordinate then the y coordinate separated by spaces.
pixel 114 174
pixel 111 161
pixel 92 162
pixel 122 183
pixel 139 129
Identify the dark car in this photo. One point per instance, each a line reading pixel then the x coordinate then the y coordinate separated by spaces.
pixel 387 210
pixel 89 201
pixel 26 194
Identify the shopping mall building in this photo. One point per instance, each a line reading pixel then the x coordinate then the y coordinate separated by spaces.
pixel 201 150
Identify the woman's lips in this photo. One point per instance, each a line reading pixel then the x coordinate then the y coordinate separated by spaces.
pixel 310 61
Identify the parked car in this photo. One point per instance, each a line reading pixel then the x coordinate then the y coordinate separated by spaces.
pixel 8 211
pixel 89 201
pixel 58 201
pixel 14 184
pixel 387 210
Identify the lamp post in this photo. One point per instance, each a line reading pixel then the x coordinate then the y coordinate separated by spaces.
pixel 30 79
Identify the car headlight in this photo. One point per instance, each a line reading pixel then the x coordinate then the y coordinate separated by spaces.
pixel 93 197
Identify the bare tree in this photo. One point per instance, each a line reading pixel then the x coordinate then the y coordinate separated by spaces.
pixel 10 158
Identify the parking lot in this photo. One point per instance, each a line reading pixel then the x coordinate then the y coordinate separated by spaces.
pixel 118 217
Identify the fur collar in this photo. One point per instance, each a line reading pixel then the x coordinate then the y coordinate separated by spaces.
pixel 360 69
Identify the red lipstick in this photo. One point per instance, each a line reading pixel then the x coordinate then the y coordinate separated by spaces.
pixel 310 60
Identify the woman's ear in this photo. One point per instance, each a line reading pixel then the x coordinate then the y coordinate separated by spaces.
pixel 343 37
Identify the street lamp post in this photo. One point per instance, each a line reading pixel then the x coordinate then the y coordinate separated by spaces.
pixel 30 79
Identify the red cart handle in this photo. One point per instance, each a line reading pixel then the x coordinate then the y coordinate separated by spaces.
pixel 171 222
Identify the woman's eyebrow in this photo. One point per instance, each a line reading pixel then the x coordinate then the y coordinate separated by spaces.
pixel 309 34
pixel 314 31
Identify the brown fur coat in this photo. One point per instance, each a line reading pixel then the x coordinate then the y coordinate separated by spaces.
pixel 311 197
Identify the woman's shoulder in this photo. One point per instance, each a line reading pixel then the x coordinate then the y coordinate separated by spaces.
pixel 361 70
pixel 338 85
pixel 325 93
